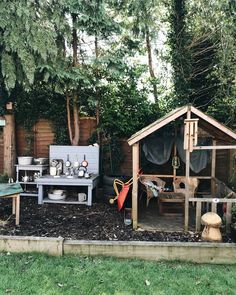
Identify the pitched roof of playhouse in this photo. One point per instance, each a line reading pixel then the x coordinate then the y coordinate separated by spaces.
pixel 206 122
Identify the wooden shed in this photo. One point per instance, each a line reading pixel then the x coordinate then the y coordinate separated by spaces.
pixel 200 132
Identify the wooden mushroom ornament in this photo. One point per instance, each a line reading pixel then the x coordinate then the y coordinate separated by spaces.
pixel 211 231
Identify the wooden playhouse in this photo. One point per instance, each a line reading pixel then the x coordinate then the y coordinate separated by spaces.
pixel 194 135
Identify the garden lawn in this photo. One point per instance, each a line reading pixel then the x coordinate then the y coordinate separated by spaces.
pixel 45 275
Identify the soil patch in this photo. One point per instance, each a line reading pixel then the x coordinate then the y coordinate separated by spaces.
pixel 98 222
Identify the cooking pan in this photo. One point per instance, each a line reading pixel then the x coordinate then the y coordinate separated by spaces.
pixel 84 162
pixel 68 163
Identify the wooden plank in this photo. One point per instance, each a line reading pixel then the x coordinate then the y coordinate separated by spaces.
pixel 193 120
pixel 177 176
pixel 209 200
pixel 213 122
pixel 135 185
pixel 213 169
pixel 217 147
pixel 175 153
pixel 198 216
pixel 195 132
pixel 214 207
pixel 187 174
pixel 160 175
pixel 228 216
pixel 9 145
pixel 191 132
pixel 186 135
pixel 157 125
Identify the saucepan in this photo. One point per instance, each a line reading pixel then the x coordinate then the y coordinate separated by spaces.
pixel 68 163
pixel 84 162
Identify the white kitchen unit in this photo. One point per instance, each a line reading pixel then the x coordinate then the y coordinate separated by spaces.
pixel 30 187
pixel 72 154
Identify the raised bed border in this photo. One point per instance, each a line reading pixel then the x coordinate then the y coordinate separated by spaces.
pixel 214 253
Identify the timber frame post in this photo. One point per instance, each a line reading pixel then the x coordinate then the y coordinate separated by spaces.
pixel 9 145
pixel 135 152
pixel 213 170
pixel 187 174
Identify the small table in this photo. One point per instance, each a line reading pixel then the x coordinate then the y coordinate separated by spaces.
pixel 178 199
pixel 12 190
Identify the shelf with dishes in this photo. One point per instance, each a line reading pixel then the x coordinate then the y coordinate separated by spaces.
pixel 26 173
pixel 53 195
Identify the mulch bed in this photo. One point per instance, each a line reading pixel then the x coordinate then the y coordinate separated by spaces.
pixel 99 222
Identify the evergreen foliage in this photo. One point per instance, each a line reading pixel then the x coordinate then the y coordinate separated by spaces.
pixel 27 40
pixel 101 56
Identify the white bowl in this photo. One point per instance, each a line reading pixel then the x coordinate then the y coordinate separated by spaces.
pixel 25 160
pixel 56 197
pixel 58 192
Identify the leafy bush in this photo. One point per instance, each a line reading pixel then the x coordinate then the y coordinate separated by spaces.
pixel 3 178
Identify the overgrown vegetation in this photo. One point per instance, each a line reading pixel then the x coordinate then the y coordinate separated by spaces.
pixel 40 274
pixel 124 62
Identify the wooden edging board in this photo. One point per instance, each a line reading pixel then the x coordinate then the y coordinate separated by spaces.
pixel 215 253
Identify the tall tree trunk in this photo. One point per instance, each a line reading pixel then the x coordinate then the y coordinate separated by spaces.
pixel 150 64
pixel 73 115
pixel 180 54
pixel 96 90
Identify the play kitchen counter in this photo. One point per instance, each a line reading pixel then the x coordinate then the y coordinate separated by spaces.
pixel 48 180
pixel 65 171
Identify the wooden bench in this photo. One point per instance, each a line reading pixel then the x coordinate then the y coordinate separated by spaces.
pixel 12 190
pixel 169 201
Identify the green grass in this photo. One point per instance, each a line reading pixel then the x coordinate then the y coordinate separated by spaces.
pixel 45 275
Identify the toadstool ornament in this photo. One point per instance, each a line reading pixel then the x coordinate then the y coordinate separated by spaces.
pixel 211 231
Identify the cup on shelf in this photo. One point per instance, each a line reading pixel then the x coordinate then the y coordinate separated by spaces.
pixel 82 197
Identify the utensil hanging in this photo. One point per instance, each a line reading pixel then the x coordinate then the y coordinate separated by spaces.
pixel 84 162
pixel 76 163
pixel 68 163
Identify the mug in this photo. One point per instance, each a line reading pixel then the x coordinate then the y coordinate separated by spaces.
pixel 82 197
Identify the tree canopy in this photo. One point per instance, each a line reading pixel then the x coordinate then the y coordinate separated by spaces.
pixel 125 62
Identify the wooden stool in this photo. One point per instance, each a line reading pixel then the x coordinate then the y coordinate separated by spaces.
pixel 12 190
pixel 211 231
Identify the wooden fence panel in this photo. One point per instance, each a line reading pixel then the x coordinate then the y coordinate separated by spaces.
pixel 87 128
pixel 43 137
pixel 126 165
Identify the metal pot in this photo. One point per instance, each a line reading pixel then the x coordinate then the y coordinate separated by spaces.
pixel 82 171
